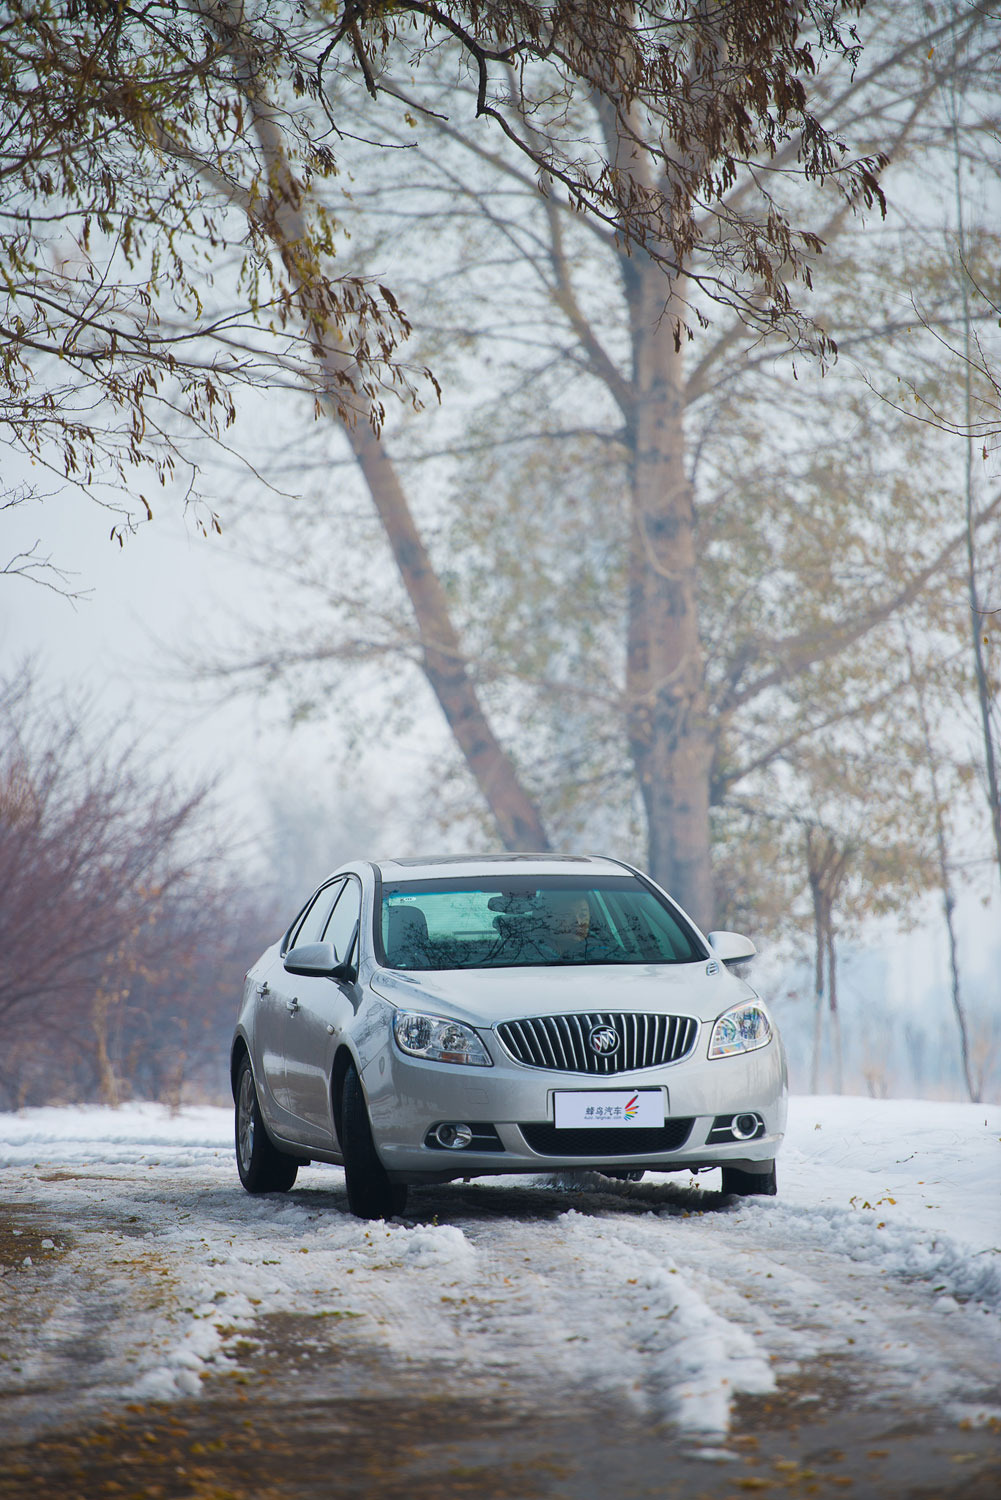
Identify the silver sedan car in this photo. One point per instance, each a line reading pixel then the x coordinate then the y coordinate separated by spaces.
pixel 423 1020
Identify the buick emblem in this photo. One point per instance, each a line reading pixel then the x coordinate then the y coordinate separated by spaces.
pixel 604 1040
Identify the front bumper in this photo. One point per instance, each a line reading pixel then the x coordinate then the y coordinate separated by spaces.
pixel 408 1096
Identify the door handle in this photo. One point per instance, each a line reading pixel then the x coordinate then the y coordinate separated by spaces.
pixel 263 991
pixel 293 1005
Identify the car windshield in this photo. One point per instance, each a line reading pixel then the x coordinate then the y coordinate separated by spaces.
pixel 496 922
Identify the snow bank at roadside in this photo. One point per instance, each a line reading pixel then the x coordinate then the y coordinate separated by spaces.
pixel 932 1165
pixel 910 1187
pixel 130 1133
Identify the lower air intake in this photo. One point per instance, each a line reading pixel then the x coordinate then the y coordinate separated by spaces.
pixel 549 1141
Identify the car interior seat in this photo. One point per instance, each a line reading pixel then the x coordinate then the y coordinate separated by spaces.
pixel 407 938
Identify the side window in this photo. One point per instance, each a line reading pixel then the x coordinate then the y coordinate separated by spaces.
pixel 310 929
pixel 343 919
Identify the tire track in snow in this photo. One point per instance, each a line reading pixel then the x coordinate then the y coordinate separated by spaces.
pixel 818 1284
pixel 572 1303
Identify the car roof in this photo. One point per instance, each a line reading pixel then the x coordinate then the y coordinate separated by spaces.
pixel 468 866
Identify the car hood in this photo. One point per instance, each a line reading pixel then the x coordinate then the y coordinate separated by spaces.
pixel 486 996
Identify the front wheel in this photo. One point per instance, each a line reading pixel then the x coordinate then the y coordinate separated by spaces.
pixel 371 1195
pixel 262 1167
pixel 748 1184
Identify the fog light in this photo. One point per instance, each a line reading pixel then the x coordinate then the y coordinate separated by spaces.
pixel 453 1137
pixel 745 1126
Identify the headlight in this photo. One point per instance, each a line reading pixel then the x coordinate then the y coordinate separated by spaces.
pixel 743 1028
pixel 439 1040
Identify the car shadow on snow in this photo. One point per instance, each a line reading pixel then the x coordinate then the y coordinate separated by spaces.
pixel 549 1197
pixel 522 1198
pixel 319 1189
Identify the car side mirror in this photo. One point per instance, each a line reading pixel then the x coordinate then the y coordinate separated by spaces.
pixel 731 947
pixel 318 961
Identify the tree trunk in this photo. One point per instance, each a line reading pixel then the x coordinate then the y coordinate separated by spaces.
pixel 107 1082
pixel 837 1058
pixel 820 948
pixel 978 616
pixel 283 218
pixel 826 868
pixel 818 987
pixel 978 626
pixel 667 711
pixel 945 882
pixel 666 705
pixel 518 822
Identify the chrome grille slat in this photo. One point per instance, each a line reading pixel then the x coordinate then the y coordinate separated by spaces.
pixel 560 1043
pixel 528 1043
pixel 565 1045
pixel 580 1042
pixel 545 1045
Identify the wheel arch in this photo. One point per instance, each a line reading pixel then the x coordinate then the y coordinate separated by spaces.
pixel 344 1059
pixel 240 1050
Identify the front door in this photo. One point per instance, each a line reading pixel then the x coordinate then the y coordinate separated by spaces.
pixel 277 1000
pixel 324 1008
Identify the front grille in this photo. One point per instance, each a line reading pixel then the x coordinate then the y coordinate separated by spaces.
pixel 549 1141
pixel 561 1042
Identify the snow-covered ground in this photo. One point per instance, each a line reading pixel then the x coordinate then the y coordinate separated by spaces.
pixel 146 1268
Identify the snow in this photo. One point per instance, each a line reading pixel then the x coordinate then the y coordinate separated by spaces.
pixel 931 1165
pixel 884 1246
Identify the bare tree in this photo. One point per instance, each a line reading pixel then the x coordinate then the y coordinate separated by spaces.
pixel 651 84
pixel 707 574
pixel 105 874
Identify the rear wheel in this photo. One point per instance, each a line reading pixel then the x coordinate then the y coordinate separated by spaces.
pixel 371 1195
pixel 262 1167
pixel 747 1184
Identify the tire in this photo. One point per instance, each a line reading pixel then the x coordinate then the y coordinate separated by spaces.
pixel 749 1184
pixel 262 1167
pixel 371 1195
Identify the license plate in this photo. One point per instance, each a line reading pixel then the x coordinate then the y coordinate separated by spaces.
pixel 596 1109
